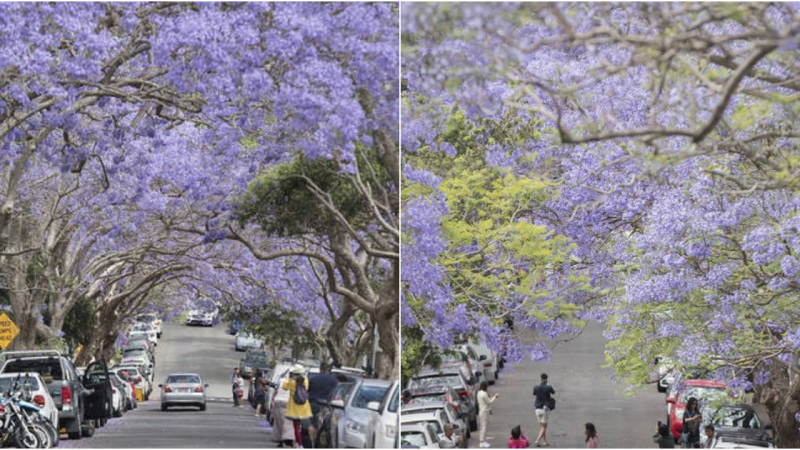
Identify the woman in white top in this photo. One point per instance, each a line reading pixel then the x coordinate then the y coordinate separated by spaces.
pixel 484 402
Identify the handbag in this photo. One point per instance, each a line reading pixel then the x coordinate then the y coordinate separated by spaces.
pixel 550 403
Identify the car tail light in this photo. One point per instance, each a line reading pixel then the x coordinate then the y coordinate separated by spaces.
pixel 138 380
pixel 39 400
pixel 464 394
pixel 167 388
pixel 66 395
pixel 198 389
pixel 487 364
pixel 2 409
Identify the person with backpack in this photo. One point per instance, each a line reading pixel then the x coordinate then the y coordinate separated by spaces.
pixel 298 407
pixel 543 405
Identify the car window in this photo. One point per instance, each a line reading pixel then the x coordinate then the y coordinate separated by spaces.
pixel 394 403
pixel 412 439
pixel 434 424
pixel 183 379
pixel 367 394
pixel 450 410
pixel 134 352
pixel 340 391
pixel 427 398
pixel 26 382
pixel 443 417
pixel 436 380
pixel 47 368
pixel 735 418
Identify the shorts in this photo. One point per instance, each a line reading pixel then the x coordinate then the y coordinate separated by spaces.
pixel 541 415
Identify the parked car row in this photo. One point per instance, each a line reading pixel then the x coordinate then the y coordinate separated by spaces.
pixel 447 394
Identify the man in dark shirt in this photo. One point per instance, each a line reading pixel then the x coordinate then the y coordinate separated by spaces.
pixel 320 386
pixel 543 391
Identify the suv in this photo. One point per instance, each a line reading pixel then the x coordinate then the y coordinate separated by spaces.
pixel 455 377
pixel 80 402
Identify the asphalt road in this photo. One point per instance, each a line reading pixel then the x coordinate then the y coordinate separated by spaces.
pixel 208 352
pixel 584 393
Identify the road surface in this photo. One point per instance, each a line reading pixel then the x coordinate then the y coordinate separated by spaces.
pixel 208 352
pixel 584 393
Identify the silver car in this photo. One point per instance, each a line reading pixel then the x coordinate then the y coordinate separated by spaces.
pixel 364 406
pixel 183 389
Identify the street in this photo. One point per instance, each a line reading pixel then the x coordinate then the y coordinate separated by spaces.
pixel 584 393
pixel 208 352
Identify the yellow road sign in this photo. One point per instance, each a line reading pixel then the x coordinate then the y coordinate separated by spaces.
pixel 8 330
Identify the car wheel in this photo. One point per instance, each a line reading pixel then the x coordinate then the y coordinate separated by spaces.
pixel 203 407
pixel 88 429
pixel 74 429
pixel 164 406
pixel 661 389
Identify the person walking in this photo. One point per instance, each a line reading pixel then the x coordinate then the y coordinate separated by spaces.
pixel 298 407
pixel 517 439
pixel 485 409
pixel 319 388
pixel 691 424
pixel 662 436
pixel 237 387
pixel 542 405
pixel 591 435
pixel 260 395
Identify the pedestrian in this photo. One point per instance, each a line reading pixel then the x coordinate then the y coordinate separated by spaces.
pixel 517 439
pixel 691 424
pixel 484 408
pixel 298 407
pixel 237 387
pixel 447 440
pixel 319 388
pixel 591 435
pixel 543 404
pixel 406 397
pixel 709 436
pixel 662 436
pixel 260 395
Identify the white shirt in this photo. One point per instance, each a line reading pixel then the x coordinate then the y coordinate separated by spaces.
pixel 484 401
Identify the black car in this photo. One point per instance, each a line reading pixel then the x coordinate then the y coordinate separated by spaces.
pixel 737 422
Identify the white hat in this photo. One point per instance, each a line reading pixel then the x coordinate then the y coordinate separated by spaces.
pixel 298 369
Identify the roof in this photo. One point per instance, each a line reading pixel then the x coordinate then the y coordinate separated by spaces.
pixel 413 427
pixel 418 416
pixel 16 374
pixel 183 375
pixel 431 372
pixel 410 408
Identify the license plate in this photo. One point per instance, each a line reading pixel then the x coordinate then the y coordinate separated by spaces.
pixel 184 390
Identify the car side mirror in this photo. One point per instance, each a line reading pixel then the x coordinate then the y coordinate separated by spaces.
pixel 482 358
pixel 339 403
pixel 374 406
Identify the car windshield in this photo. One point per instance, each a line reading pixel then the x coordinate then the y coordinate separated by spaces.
pixel 412 439
pixel 367 394
pixel 735 418
pixel 47 368
pixel 704 395
pixel 424 399
pixel 134 352
pixel 183 379
pixel 452 357
pixel 435 380
pixel 394 403
pixel 141 327
pixel 132 371
pixel 147 318
pixel 26 382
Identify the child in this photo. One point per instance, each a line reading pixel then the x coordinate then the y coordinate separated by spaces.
pixel 517 439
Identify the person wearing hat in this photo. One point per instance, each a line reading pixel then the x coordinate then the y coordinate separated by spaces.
pixel 294 411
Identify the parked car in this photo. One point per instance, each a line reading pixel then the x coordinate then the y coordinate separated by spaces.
pixel 146 328
pixel 120 397
pixel 736 421
pixel 246 339
pixel 331 413
pixel 128 385
pixel 725 440
pixel 200 317
pixel 387 421
pixel 475 365
pixel 454 377
pixel 368 400
pixel 136 357
pixel 154 320
pixel 437 419
pixel 487 361
pixel 666 373
pixel 460 425
pixel 253 360
pixel 447 394
pixel 418 435
pixel 140 344
pixel 183 389
pixel 273 386
pixel 138 377
pixel 78 407
pixel 235 326
pixel 32 382
pixel 99 392
pixel 705 391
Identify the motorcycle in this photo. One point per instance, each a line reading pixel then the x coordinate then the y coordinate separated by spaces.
pixel 22 422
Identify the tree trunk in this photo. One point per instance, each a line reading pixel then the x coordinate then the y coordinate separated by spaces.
pixel 781 397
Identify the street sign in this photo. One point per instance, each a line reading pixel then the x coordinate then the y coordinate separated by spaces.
pixel 8 330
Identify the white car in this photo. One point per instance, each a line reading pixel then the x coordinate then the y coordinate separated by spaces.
pixel 129 399
pixel 667 373
pixel 139 379
pixel 154 320
pixel 118 396
pixel 482 358
pixel 40 396
pixel 198 317
pixel 384 425
pixel 246 339
pixel 367 400
pixel 274 386
pixel 418 435
pixel 416 413
pixel 146 328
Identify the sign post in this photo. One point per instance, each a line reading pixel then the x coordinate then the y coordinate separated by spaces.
pixel 8 331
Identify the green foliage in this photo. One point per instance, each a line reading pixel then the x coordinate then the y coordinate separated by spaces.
pixel 79 322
